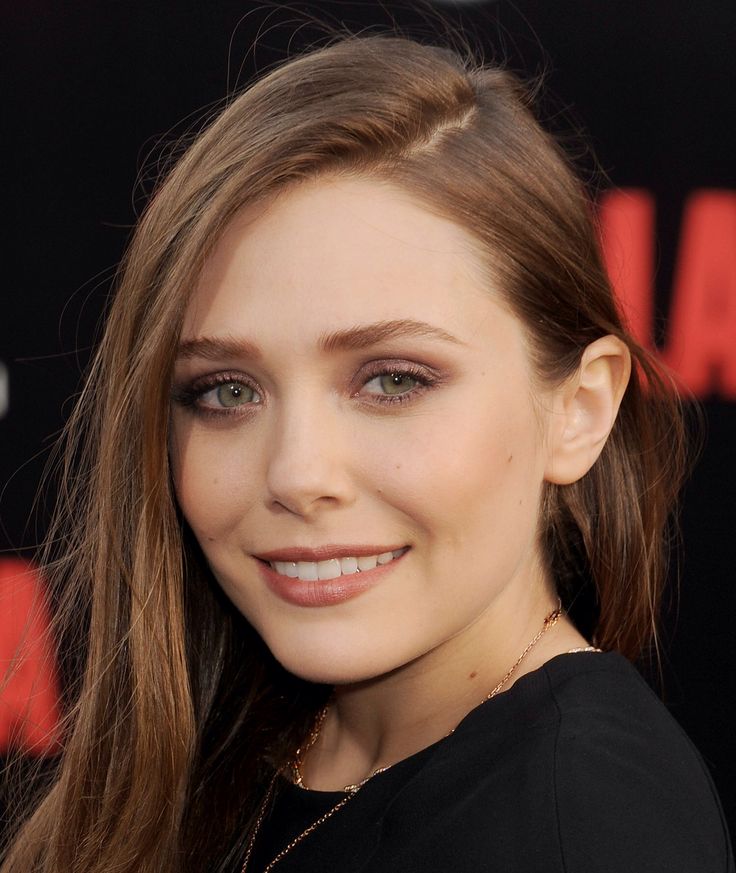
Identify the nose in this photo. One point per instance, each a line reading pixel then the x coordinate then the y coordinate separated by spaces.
pixel 307 462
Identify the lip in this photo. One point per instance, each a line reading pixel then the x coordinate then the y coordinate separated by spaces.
pixel 325 592
pixel 324 553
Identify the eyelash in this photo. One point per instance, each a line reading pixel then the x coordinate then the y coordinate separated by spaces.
pixel 188 396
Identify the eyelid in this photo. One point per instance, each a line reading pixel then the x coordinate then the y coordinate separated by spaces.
pixel 205 383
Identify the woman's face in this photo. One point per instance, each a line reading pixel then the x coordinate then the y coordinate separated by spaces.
pixel 348 387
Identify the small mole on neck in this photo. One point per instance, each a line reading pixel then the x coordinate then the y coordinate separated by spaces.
pixel 473 674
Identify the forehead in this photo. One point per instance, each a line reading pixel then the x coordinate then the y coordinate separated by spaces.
pixel 337 251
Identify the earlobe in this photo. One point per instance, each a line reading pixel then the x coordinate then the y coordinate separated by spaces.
pixel 585 409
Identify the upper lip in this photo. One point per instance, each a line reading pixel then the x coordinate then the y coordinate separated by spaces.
pixel 323 553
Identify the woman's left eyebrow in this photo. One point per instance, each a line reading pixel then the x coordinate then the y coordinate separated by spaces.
pixel 370 334
pixel 349 339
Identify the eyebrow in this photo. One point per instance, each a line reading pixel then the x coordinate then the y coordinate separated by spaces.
pixel 350 339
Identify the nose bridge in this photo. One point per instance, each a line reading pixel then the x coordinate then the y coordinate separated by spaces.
pixel 307 463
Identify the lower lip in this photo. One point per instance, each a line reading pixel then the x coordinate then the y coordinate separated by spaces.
pixel 325 592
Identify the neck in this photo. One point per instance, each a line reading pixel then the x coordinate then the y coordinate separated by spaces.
pixel 381 721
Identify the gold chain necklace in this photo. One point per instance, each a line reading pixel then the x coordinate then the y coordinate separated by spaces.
pixel 352 790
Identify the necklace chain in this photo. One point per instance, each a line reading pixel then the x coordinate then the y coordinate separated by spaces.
pixel 352 790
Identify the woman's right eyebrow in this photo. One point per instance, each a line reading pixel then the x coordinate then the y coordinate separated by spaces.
pixel 350 339
pixel 216 348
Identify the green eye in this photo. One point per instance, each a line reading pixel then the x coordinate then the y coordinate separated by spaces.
pixel 234 394
pixel 395 383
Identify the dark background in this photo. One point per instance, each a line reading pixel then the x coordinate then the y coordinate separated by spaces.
pixel 92 92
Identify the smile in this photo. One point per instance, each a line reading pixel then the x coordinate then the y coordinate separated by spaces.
pixel 332 568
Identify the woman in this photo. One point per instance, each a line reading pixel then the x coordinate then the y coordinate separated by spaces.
pixel 364 423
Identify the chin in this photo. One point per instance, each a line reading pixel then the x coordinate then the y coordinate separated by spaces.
pixel 327 672
pixel 331 665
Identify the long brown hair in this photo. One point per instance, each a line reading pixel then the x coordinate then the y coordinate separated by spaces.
pixel 176 710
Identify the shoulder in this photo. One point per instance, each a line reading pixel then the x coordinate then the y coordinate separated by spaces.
pixel 578 768
pixel 631 791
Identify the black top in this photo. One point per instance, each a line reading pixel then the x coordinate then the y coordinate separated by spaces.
pixel 577 768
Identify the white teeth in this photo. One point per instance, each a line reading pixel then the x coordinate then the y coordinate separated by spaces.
pixel 311 571
pixel 328 569
pixel 308 571
pixel 348 565
pixel 367 562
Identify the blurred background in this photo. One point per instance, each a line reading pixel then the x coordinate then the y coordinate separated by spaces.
pixel 96 93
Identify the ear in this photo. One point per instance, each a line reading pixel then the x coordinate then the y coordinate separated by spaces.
pixel 584 410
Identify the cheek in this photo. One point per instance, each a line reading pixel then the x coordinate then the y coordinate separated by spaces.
pixel 211 482
pixel 450 473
